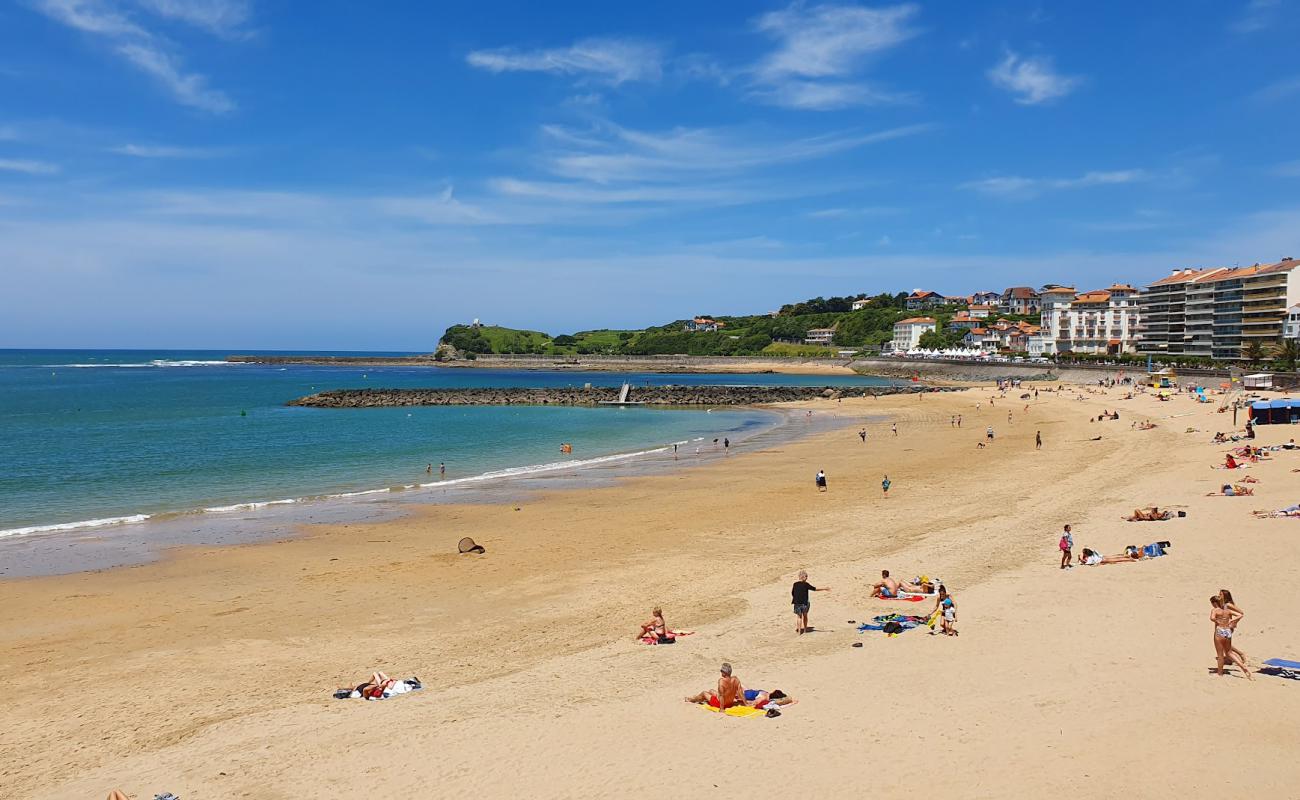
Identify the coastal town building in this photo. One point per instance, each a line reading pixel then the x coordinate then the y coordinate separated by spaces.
pixel 964 320
pixel 860 303
pixel 1217 312
pixel 907 332
pixel 1104 321
pixel 1019 300
pixel 703 325
pixel 921 299
pixel 1292 328
pixel 989 299
pixel 821 336
pixel 981 310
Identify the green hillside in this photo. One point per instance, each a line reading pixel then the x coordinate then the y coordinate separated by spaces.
pixel 781 334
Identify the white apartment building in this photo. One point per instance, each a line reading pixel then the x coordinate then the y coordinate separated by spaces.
pixel 907 332
pixel 1104 321
pixel 1217 312
pixel 819 336
pixel 1292 328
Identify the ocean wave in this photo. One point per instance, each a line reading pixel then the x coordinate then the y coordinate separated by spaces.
pixel 511 472
pixel 72 526
pixel 157 362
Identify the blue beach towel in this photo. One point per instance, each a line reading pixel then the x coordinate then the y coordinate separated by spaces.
pixel 1282 668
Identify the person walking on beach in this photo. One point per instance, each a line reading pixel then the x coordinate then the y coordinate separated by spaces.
pixel 674 451
pixel 988 433
pixel 1226 597
pixel 895 428
pixel 959 420
pixel 884 487
pixel 726 446
pixel 946 608
pixel 799 599
pixel 1224 621
pixel 1067 545
pixel 821 480
pixel 1038 440
pixel 862 434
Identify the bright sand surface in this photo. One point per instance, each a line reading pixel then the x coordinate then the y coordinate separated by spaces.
pixel 209 674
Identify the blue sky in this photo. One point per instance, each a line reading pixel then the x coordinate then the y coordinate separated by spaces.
pixel 246 173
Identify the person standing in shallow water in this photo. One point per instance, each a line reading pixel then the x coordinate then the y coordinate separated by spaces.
pixel 442 470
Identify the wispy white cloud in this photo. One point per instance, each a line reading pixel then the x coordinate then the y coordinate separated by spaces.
pixel 28 166
pixel 167 151
pixel 1278 90
pixel 851 213
pixel 1032 80
pixel 222 17
pixel 1258 16
pixel 614 153
pixel 147 51
pixel 820 51
pixel 610 60
pixel 1018 186
pixel 1289 169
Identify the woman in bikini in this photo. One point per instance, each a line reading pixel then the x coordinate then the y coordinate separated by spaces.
pixel 1224 621
pixel 656 627
pixel 1228 604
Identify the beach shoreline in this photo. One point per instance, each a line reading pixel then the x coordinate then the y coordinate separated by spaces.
pixel 528 649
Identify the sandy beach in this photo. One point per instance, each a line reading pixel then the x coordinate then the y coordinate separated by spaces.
pixel 210 673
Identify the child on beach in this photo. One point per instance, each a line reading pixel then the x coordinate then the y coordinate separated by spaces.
pixel 821 480
pixel 945 607
pixel 1066 545
pixel 799 599
pixel 884 486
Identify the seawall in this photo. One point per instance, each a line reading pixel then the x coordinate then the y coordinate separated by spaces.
pixel 651 395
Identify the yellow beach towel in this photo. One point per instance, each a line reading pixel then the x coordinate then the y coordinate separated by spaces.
pixel 736 711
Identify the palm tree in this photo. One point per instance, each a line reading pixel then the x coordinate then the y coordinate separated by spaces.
pixel 1285 355
pixel 1253 352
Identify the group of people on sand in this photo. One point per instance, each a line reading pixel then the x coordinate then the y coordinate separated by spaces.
pixel 731 693
pixel 1091 558
pixel 889 588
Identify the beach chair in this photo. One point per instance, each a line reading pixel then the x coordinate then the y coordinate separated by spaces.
pixel 1282 668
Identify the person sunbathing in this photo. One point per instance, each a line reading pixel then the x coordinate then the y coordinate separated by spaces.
pixel 921 586
pixel 655 627
pixel 1219 438
pixel 886 587
pixel 759 698
pixel 1232 490
pixel 1229 462
pixel 1130 554
pixel 1089 558
pixel 1151 514
pixel 728 694
pixel 1289 511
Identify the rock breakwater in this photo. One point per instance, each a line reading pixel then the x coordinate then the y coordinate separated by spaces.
pixel 596 395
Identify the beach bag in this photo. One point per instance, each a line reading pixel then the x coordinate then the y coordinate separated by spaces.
pixel 893 626
pixel 1065 543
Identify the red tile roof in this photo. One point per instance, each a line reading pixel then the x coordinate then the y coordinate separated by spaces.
pixel 915 320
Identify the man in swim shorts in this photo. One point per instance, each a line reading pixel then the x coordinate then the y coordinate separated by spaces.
pixel 728 694
pixel 887 587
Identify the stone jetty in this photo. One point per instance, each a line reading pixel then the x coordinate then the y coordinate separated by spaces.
pixel 596 395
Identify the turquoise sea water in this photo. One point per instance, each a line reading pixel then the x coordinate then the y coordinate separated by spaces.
pixel 93 436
